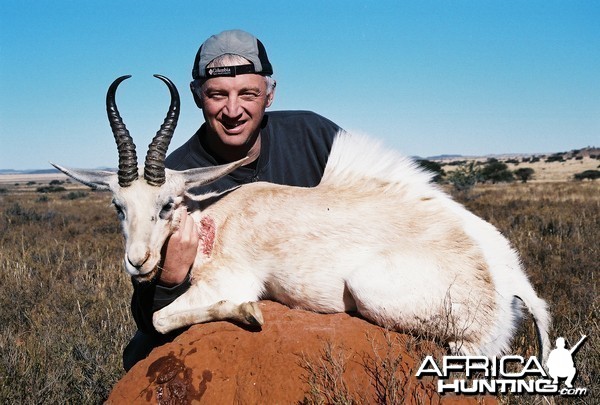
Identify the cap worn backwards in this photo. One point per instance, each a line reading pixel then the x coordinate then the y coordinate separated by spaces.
pixel 235 42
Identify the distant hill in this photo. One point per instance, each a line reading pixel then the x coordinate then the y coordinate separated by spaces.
pixel 590 151
pixel 41 171
pixel 444 157
pixel 45 171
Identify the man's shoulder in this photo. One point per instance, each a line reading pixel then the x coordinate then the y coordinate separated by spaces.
pixel 299 136
pixel 298 117
pixel 300 126
pixel 292 113
pixel 178 159
pixel 189 155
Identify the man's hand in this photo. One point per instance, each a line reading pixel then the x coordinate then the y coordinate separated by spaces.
pixel 179 252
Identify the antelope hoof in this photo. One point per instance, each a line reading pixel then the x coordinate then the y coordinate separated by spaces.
pixel 251 314
pixel 160 324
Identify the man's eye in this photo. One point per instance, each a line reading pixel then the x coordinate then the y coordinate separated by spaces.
pixel 249 96
pixel 215 96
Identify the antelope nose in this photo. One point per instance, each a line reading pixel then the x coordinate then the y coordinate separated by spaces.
pixel 137 258
pixel 136 263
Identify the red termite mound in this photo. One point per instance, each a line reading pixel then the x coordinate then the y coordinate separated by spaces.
pixel 296 357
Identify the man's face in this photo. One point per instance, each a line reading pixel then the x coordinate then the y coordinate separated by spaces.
pixel 234 107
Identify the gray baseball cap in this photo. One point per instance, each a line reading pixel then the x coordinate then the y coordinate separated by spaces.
pixel 235 42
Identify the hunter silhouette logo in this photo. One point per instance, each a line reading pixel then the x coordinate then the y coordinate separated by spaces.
pixel 514 374
pixel 560 362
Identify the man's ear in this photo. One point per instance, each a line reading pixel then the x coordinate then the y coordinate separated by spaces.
pixel 195 88
pixel 271 95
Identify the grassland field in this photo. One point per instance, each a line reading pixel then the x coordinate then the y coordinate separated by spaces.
pixel 64 296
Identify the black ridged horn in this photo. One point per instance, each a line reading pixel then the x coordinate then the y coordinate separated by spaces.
pixel 154 168
pixel 128 170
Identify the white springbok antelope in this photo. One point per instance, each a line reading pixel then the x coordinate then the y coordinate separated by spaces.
pixel 374 237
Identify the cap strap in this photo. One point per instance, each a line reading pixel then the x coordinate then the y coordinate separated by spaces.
pixel 229 71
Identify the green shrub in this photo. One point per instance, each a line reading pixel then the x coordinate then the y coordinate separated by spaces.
pixel 433 167
pixel 587 174
pixel 465 177
pixel 524 174
pixel 50 189
pixel 496 172
pixel 73 195
pixel 557 157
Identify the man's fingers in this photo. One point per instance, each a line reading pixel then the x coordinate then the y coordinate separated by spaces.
pixel 187 232
pixel 180 251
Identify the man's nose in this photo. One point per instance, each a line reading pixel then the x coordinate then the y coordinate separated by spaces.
pixel 233 107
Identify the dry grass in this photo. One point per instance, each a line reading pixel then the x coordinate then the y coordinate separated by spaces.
pixel 557 171
pixel 325 378
pixel 65 298
pixel 543 171
pixel 556 229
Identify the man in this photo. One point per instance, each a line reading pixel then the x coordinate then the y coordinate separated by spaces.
pixel 560 361
pixel 232 85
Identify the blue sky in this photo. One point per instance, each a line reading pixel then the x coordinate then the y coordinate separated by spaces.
pixel 427 77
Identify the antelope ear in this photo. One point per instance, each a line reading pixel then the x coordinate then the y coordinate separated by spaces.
pixel 205 175
pixel 96 179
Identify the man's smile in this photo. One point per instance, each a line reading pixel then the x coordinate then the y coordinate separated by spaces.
pixel 233 128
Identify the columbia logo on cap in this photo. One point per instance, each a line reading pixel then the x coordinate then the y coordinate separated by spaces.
pixel 229 70
pixel 221 71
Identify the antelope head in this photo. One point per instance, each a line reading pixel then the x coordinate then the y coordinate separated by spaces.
pixel 146 198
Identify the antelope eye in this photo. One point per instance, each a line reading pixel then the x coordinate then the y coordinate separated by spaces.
pixel 120 211
pixel 166 209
